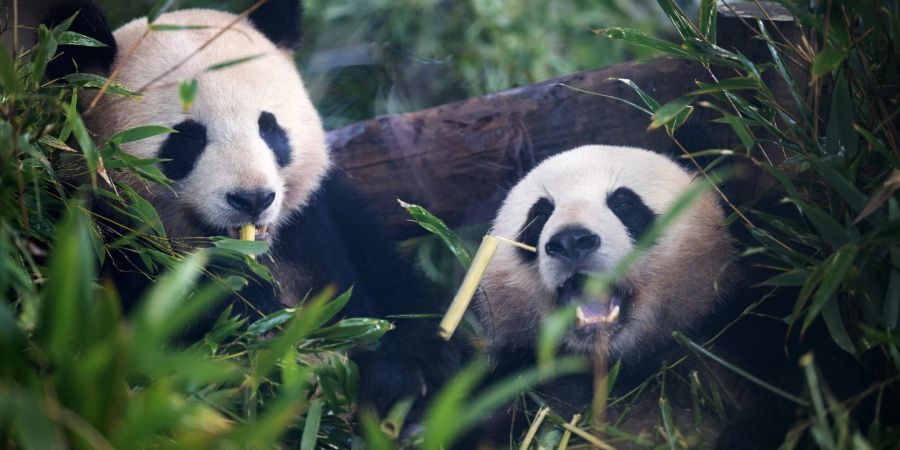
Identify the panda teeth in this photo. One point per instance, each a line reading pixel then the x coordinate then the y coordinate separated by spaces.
pixel 582 319
pixel 262 232
pixel 613 315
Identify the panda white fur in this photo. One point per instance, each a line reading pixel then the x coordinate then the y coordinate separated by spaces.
pixel 252 149
pixel 584 210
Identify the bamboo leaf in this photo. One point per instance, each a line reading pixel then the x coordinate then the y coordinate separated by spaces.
pixel 437 226
pixel 682 24
pixel 687 342
pixel 92 81
pixel 831 231
pixel 69 292
pixel 249 248
pixel 651 103
pixel 831 313
pixel 233 62
pixel 881 195
pixel 671 111
pixel 171 27
pixel 187 91
pixel 834 269
pixel 552 331
pixel 730 84
pixel 641 39
pixel 8 76
pixel 311 427
pixel 796 277
pixel 828 60
pixel 840 137
pixel 892 294
pixel 73 38
pixel 158 8
pixel 708 16
pixel 51 141
pixel 139 133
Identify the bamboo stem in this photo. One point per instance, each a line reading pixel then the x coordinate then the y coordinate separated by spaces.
pixel 470 283
pixel 532 430
pixel 248 232
pixel 601 384
pixel 596 442
pixel 564 441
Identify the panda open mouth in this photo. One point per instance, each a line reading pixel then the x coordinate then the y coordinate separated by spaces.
pixel 593 309
pixel 262 232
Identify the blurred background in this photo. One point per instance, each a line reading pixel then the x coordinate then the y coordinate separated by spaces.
pixel 361 59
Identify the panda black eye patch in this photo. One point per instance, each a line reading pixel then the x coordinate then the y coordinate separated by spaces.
pixel 531 230
pixel 275 138
pixel 183 149
pixel 631 211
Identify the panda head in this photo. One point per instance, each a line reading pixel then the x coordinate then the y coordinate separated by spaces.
pixel 251 148
pixel 584 210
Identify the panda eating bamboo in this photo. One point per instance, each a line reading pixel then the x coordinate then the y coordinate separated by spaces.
pixel 251 150
pixel 584 211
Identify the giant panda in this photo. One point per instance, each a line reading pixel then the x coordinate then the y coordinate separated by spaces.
pixel 584 210
pixel 252 149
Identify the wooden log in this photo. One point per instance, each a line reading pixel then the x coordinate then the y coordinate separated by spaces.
pixel 459 159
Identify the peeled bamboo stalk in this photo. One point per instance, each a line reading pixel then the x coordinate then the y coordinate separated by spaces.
pixel 248 232
pixel 532 430
pixel 470 283
pixel 601 384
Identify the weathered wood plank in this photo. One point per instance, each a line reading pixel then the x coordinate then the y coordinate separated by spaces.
pixel 459 159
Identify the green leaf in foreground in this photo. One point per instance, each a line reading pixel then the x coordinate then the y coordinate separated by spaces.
pixel 828 60
pixel 187 91
pixel 640 38
pixel 250 248
pixel 139 133
pixel 92 81
pixel 73 38
pixel 673 112
pixel 233 62
pixel 437 227
pixel 158 8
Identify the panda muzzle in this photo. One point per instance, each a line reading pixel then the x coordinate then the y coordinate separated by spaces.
pixel 593 307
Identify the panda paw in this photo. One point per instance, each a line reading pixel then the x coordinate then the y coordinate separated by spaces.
pixel 393 373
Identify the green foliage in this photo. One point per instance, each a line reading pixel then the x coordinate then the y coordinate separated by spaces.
pixel 836 159
pixel 392 56
pixel 74 372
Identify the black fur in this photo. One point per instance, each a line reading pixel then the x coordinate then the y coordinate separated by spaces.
pixel 631 211
pixel 339 235
pixel 275 138
pixel 90 22
pixel 182 149
pixel 758 343
pixel 534 224
pixel 281 21
pixel 337 238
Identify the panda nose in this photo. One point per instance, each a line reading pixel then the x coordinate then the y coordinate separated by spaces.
pixel 572 244
pixel 251 202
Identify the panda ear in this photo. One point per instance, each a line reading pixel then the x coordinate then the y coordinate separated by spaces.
pixel 90 22
pixel 281 21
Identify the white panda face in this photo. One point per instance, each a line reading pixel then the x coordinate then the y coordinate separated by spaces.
pixel 251 149
pixel 584 210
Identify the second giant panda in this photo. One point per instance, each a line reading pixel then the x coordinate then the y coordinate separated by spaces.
pixel 584 210
pixel 251 149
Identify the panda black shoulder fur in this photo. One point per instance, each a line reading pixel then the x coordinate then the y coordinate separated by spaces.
pixel 252 149
pixel 584 210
